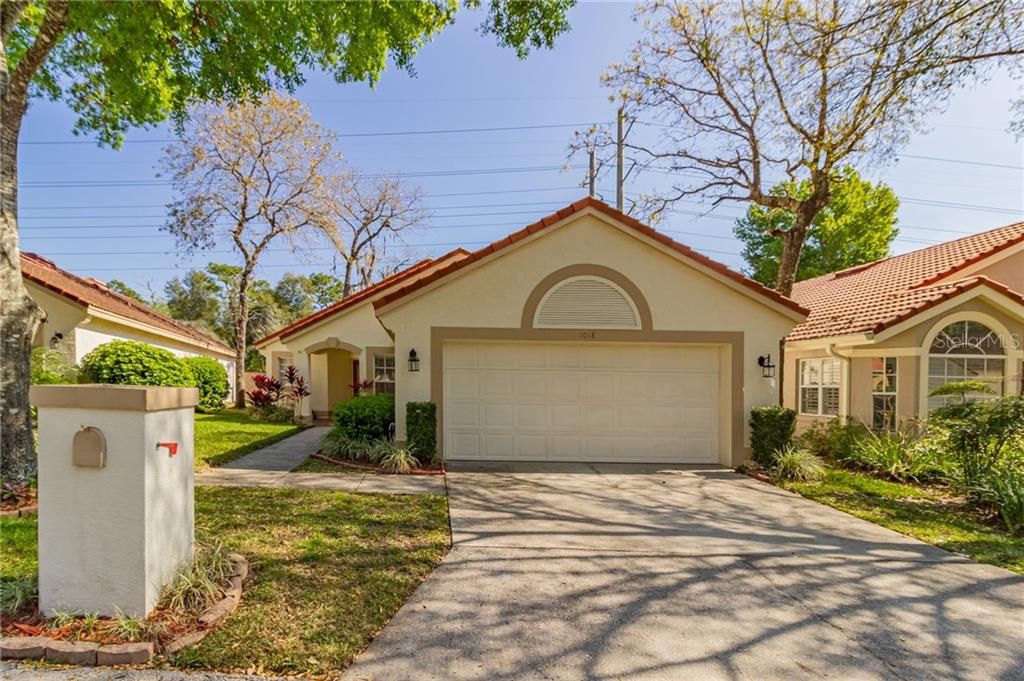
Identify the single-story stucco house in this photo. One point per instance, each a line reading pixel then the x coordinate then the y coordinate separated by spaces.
pixel 83 313
pixel 881 336
pixel 586 336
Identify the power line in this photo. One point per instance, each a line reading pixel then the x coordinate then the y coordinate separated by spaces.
pixel 963 161
pixel 426 196
pixel 64 184
pixel 387 133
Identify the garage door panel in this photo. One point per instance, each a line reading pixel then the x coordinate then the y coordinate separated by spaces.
pixel 499 415
pixel 463 414
pixel 463 384
pixel 498 384
pixel 462 356
pixel 581 402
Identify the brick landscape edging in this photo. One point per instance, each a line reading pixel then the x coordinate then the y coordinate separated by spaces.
pixel 88 653
pixel 19 512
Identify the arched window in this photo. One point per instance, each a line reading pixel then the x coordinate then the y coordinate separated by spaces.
pixel 586 302
pixel 966 350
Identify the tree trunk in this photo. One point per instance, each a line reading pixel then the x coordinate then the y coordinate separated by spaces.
pixel 241 329
pixel 19 314
pixel 346 285
pixel 792 246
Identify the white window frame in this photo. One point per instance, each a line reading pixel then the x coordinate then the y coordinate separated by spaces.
pixel 836 369
pixel 283 362
pixel 885 393
pixel 385 380
pixel 1003 357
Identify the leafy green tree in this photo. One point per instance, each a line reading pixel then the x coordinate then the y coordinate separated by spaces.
pixel 194 298
pixel 125 290
pixel 857 226
pixel 124 64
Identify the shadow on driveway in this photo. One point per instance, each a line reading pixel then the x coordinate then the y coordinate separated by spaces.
pixel 650 572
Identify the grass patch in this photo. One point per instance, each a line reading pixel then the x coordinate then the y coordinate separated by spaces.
pixel 18 555
pixel 930 514
pixel 317 466
pixel 226 435
pixel 330 569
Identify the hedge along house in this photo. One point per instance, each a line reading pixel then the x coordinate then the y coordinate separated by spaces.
pixel 880 337
pixel 82 314
pixel 344 344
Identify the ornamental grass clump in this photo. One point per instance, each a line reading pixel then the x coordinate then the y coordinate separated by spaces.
pixel 797 464
pixel 199 584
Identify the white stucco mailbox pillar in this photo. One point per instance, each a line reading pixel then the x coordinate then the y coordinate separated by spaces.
pixel 116 508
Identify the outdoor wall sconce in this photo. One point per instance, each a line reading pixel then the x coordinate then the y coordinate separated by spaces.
pixel 767 366
pixel 414 361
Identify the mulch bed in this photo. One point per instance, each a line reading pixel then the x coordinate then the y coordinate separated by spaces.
pixel 166 629
pixel 17 496
pixel 430 469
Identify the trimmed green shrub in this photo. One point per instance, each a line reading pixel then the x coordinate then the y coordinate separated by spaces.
pixel 367 417
pixel 421 428
pixel 771 430
pixel 212 381
pixel 835 438
pixel 123 362
pixel 797 464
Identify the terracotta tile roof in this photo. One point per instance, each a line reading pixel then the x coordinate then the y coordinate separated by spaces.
pixel 869 298
pixel 569 210
pixel 361 296
pixel 94 293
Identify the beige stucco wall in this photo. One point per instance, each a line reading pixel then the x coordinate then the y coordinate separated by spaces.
pixel 329 370
pixel 493 295
pixel 1008 271
pixel 62 316
pixel 113 536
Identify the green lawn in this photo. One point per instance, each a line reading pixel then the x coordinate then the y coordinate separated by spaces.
pixel 227 435
pixel 330 569
pixel 930 514
pixel 18 559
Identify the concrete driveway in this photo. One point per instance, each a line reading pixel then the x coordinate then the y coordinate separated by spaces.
pixel 609 572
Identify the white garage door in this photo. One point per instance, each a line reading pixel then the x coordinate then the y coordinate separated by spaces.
pixel 581 402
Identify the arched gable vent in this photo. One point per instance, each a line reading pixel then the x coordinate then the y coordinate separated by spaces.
pixel 586 302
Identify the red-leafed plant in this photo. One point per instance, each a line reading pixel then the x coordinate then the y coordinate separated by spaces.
pixel 270 392
pixel 362 387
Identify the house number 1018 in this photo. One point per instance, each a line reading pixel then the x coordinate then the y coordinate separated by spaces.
pixel 587 335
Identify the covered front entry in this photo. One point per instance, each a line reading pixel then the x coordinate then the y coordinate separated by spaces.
pixel 583 401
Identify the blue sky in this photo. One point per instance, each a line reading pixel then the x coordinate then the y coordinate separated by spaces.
pixel 98 212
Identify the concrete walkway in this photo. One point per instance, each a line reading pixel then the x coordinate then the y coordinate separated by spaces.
pixel 283 455
pixel 271 466
pixel 356 481
pixel 602 572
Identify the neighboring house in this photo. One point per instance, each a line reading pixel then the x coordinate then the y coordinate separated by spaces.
pixel 82 313
pixel 343 344
pixel 881 336
pixel 586 336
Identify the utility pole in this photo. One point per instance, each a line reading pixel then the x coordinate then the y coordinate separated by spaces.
pixel 619 143
pixel 593 173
